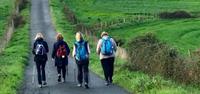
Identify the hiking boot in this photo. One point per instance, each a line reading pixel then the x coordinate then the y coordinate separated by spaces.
pixel 44 83
pixel 59 78
pixel 40 86
pixel 86 86
pixel 63 80
pixel 107 83
pixel 79 85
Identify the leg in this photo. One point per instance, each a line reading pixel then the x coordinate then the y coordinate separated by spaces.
pixel 111 69
pixel 104 64
pixel 86 71
pixel 39 72
pixel 59 73
pixel 43 72
pixel 63 72
pixel 80 73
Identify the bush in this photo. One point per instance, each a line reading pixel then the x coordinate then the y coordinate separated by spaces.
pixel 175 15
pixel 18 20
pixel 151 56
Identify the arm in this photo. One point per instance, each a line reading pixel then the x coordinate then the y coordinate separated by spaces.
pixel 98 47
pixel 46 47
pixel 114 44
pixel 88 47
pixel 54 51
pixel 74 52
pixel 68 50
pixel 33 50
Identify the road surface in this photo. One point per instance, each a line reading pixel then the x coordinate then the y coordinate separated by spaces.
pixel 41 22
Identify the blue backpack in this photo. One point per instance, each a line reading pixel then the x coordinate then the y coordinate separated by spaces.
pixel 107 47
pixel 81 51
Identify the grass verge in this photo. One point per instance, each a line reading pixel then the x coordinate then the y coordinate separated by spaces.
pixel 14 58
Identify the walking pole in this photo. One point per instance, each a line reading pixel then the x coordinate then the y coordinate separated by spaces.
pixel 74 71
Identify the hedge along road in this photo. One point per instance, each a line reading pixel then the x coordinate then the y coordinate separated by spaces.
pixel 41 22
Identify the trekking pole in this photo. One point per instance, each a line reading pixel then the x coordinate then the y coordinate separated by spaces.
pixel 74 74
pixel 67 71
pixel 33 76
pixel 74 71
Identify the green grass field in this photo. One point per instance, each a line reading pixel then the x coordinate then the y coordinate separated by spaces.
pixel 180 34
pixel 14 58
pixel 183 35
pixel 138 82
pixel 6 8
pixel 89 11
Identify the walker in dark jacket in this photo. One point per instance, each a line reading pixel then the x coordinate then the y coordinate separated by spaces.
pixel 60 63
pixel 40 60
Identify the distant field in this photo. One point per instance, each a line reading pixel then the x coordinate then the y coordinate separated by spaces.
pixel 182 34
pixel 6 7
pixel 90 10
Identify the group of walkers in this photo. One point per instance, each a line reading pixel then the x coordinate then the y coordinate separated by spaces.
pixel 106 48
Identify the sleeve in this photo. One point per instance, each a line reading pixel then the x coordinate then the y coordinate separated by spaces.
pixel 54 51
pixel 67 48
pixel 34 47
pixel 88 47
pixel 98 47
pixel 46 47
pixel 114 44
pixel 74 52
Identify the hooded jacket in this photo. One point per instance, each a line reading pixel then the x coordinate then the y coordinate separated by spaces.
pixel 41 58
pixel 55 48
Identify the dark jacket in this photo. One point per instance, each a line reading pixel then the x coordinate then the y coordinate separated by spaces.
pixel 40 58
pixel 59 61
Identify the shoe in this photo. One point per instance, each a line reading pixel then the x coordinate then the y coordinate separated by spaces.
pixel 40 86
pixel 79 85
pixel 44 83
pixel 86 86
pixel 107 83
pixel 63 80
pixel 59 78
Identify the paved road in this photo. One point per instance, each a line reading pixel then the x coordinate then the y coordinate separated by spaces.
pixel 41 22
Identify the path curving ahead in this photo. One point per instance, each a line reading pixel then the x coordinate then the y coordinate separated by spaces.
pixel 41 22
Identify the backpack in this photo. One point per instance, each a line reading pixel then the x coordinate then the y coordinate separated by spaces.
pixel 40 49
pixel 61 51
pixel 106 47
pixel 81 51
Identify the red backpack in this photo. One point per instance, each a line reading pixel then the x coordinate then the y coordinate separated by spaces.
pixel 61 52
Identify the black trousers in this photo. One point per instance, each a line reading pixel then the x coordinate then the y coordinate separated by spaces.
pixel 63 70
pixel 108 68
pixel 83 71
pixel 40 65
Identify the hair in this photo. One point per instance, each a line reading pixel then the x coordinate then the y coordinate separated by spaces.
pixel 39 35
pixel 79 36
pixel 104 33
pixel 59 37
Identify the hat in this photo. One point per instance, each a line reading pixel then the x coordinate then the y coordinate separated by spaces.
pixel 104 33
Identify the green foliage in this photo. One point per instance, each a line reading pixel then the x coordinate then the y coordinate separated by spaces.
pixel 135 82
pixel 89 11
pixel 14 58
pixel 151 56
pixel 6 9
pixel 180 34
